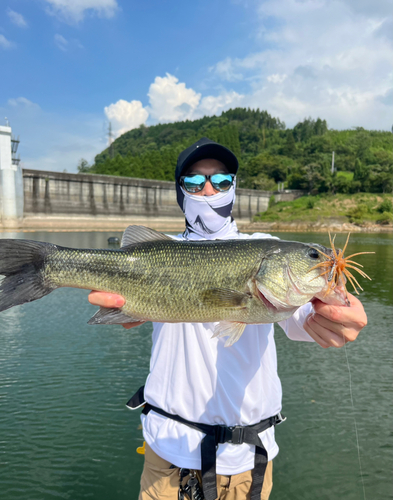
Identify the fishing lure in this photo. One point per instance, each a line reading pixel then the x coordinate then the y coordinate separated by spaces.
pixel 337 268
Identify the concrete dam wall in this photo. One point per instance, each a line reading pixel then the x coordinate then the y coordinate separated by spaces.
pixel 64 194
pixel 54 193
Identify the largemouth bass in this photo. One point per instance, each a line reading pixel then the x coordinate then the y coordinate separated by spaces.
pixel 232 282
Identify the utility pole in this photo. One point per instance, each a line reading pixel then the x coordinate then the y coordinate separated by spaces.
pixel 333 163
pixel 110 140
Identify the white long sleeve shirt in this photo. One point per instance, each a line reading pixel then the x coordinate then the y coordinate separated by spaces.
pixel 197 378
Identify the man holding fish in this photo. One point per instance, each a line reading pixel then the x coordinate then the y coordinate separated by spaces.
pixel 211 410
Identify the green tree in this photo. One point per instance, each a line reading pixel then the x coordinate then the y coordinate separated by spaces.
pixel 263 183
pixel 272 167
pixel 297 179
pixel 361 172
pixel 83 166
pixel 290 146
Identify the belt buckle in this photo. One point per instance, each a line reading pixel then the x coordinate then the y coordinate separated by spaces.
pixel 280 418
pixel 237 432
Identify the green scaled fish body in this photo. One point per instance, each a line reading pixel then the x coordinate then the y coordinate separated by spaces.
pixel 232 282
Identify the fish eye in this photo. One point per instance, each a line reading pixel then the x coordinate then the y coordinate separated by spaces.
pixel 314 254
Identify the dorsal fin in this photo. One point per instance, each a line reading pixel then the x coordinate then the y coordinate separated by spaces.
pixel 139 234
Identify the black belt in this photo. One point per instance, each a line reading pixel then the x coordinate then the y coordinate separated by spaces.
pixel 219 434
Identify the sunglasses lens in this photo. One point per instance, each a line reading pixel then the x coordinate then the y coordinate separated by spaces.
pixel 194 183
pixel 221 182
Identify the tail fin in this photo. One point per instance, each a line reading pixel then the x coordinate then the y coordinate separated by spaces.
pixel 22 272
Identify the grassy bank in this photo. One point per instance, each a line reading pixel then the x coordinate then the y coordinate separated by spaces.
pixel 359 208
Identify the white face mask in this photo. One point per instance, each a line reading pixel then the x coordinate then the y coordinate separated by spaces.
pixel 209 217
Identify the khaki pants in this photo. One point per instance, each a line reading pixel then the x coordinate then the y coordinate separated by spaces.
pixel 159 482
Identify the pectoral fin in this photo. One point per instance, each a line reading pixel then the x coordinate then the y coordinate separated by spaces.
pixel 225 297
pixel 105 316
pixel 229 329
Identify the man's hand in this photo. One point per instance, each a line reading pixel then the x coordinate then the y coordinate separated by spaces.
pixel 110 300
pixel 334 326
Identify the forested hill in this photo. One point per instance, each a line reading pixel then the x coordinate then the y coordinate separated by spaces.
pixel 268 152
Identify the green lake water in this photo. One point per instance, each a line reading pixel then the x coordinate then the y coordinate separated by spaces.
pixel 65 432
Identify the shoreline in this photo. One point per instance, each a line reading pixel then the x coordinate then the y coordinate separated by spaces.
pixel 172 224
pixel 94 224
pixel 318 227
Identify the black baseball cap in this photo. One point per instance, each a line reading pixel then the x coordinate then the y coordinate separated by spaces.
pixel 202 149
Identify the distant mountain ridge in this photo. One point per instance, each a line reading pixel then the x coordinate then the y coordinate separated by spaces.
pixel 268 152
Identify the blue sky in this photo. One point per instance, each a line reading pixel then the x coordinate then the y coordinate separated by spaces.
pixel 68 67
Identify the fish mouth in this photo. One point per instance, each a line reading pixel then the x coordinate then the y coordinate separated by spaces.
pixel 337 296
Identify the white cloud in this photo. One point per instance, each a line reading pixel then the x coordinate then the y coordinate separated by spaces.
pixel 75 10
pixel 65 45
pixel 16 18
pixel 214 105
pixel 387 98
pixel 327 58
pixel 277 78
pixel 61 42
pixel 5 44
pixel 171 101
pixel 225 70
pixel 378 8
pixel 126 115
pixel 21 101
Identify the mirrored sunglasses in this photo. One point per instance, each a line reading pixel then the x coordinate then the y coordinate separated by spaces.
pixel 194 183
